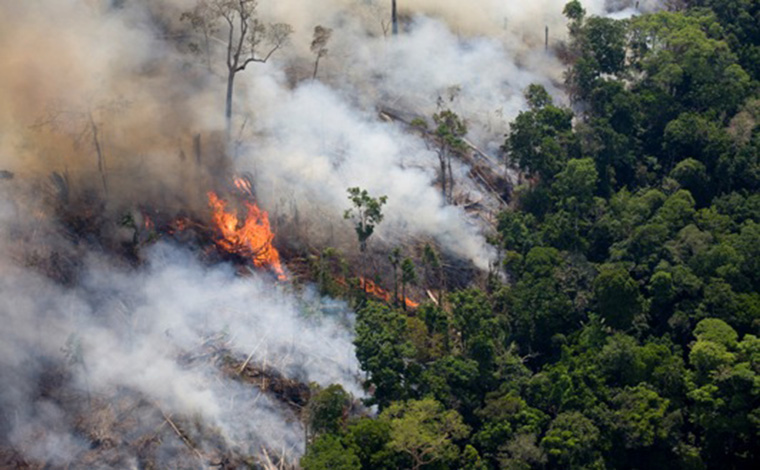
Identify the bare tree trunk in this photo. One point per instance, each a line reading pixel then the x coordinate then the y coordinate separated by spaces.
pixel 197 149
pixel 395 284
pixel 394 18
pixel 403 294
pixel 451 180
pixel 441 286
pixel 99 151
pixel 316 68
pixel 228 107
pixel 442 160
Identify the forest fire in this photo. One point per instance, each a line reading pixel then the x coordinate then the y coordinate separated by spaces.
pixel 378 292
pixel 251 239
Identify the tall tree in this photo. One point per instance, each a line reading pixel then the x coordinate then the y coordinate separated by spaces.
pixel 247 39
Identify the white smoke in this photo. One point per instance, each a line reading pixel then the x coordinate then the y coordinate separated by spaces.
pixel 126 328
pixel 305 142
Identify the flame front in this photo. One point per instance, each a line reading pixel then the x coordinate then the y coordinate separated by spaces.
pixel 379 293
pixel 251 239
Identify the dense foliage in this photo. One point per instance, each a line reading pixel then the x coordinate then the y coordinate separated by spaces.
pixel 627 335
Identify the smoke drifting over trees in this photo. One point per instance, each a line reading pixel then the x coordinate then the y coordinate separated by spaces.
pixel 104 100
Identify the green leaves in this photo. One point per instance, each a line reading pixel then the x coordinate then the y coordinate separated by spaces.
pixel 640 415
pixel 328 453
pixel 575 186
pixel 366 213
pixel 618 299
pixel 539 140
pixel 424 430
pixel 326 412
pixel 571 441
pixel 384 352
pixel 451 128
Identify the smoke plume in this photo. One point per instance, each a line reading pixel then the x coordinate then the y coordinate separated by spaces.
pixel 105 111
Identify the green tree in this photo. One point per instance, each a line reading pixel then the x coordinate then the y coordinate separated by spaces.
pixel 618 298
pixel 328 453
pixel 691 174
pixel 538 305
pixel 471 459
pixel 366 213
pixel 540 141
pixel 369 438
pixel 574 12
pixel 521 453
pixel 385 353
pixel 574 186
pixel 571 442
pixel 537 96
pixel 327 411
pixel 640 416
pixel 425 431
pixel 716 331
pixel 600 48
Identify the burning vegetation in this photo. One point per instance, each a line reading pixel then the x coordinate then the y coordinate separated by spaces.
pixel 249 238
pixel 147 241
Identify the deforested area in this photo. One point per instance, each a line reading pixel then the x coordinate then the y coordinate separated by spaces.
pixel 380 234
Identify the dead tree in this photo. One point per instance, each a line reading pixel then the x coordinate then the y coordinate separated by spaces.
pixel 378 10
pixel 83 125
pixel 449 133
pixel 245 38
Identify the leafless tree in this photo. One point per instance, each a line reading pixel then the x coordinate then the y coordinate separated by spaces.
pixel 236 25
pixel 84 125
pixel 378 11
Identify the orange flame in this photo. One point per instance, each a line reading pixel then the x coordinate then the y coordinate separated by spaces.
pixel 252 239
pixel 379 293
pixel 244 186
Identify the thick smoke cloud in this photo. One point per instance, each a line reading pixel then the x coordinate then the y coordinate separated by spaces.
pixel 87 76
pixel 77 68
pixel 322 139
pixel 122 328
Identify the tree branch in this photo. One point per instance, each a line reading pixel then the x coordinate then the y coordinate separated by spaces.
pixel 259 60
pixel 229 41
